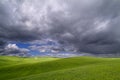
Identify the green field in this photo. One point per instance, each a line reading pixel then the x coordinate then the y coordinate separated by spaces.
pixel 46 68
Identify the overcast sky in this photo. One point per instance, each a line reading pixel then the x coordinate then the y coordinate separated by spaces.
pixel 90 26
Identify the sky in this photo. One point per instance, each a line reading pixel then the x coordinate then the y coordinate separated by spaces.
pixel 38 27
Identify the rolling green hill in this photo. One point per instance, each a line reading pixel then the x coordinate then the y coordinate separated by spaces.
pixel 46 68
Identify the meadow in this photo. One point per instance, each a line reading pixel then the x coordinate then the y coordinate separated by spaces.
pixel 49 68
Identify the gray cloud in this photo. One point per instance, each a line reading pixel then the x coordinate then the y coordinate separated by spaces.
pixel 13 49
pixel 88 25
pixel 2 45
pixel 94 27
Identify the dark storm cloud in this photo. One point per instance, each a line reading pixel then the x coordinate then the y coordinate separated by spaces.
pixel 14 24
pixel 88 25
pixel 2 45
pixel 93 28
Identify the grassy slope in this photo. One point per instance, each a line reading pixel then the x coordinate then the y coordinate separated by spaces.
pixel 77 68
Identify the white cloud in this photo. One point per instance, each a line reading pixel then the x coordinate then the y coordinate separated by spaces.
pixel 11 46
pixel 15 50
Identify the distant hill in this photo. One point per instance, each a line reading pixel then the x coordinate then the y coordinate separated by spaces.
pixel 48 68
